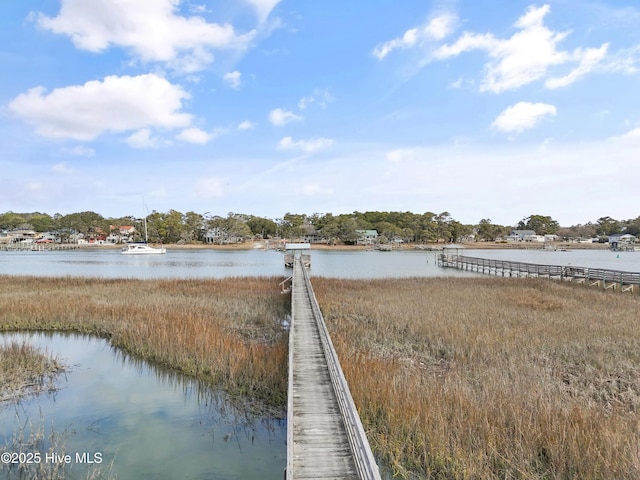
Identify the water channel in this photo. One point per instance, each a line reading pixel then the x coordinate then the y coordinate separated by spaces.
pixel 134 420
pixel 148 423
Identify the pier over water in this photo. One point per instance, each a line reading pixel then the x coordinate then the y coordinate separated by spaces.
pixel 325 438
pixel 592 277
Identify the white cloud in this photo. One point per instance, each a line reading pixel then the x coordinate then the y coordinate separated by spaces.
pixel 280 117
pixel 233 78
pixel 116 104
pixel 526 56
pixel 589 59
pixel 151 29
pixel 80 151
pixel 437 29
pixel 263 7
pixel 522 116
pixel 210 187
pixel 143 139
pixel 198 8
pixel 401 155
pixel 625 60
pixel 194 135
pixel 631 135
pixel 307 146
pixel 319 97
pixel 62 167
pixel 246 125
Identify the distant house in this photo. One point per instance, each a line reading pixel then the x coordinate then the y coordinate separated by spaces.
pixel 48 237
pixel 310 234
pixel 127 230
pixel 366 237
pixel 22 236
pixel 521 235
pixel 123 233
pixel 535 238
pixel 620 239
pixel 77 237
pixel 96 236
pixel 219 236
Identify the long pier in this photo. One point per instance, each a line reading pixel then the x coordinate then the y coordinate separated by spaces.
pixel 325 437
pixel 33 247
pixel 593 277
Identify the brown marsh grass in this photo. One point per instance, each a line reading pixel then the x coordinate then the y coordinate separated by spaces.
pixel 24 369
pixel 491 378
pixel 225 332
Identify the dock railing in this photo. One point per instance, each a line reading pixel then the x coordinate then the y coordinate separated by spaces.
pixel 362 454
pixel 607 279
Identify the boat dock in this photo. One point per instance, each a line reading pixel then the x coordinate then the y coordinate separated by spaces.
pixel 325 437
pixel 34 247
pixel 593 277
pixel 295 250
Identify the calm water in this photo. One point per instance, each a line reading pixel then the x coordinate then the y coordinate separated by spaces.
pixel 206 263
pixel 143 422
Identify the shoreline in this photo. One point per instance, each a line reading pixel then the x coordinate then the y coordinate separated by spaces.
pixel 407 247
pixel 257 245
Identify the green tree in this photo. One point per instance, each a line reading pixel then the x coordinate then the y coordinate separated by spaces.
pixel 82 222
pixel 193 226
pixel 459 231
pixel 489 231
pixel 235 226
pixel 11 220
pixel 443 226
pixel 632 226
pixel 262 226
pixel 347 227
pixel 290 225
pixel 389 230
pixel 607 226
pixel 540 224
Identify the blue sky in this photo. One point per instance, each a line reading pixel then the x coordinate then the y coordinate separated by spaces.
pixel 482 108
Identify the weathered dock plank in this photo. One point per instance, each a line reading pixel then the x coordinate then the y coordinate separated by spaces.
pixel 320 436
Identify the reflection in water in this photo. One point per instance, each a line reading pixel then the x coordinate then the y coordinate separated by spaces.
pixel 145 421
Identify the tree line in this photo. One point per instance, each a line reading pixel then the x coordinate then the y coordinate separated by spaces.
pixel 191 227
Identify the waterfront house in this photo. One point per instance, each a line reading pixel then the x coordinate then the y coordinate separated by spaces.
pixel 521 235
pixel 366 237
pixel 622 242
pixel 22 236
pixel 220 236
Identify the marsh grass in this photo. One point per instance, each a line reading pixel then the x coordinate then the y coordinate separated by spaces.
pixel 491 378
pixel 225 332
pixel 453 378
pixel 32 439
pixel 26 370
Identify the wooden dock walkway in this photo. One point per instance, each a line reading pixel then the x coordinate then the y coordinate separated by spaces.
pixel 325 438
pixel 593 277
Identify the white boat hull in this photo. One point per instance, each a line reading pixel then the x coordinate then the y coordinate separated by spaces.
pixel 142 249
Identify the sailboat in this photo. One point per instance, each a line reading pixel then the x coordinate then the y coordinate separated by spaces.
pixel 143 248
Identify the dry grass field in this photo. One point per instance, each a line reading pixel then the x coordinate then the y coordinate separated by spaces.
pixel 454 378
pixel 225 332
pixel 492 378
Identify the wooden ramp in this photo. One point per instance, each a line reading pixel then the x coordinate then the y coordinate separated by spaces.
pixel 325 438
